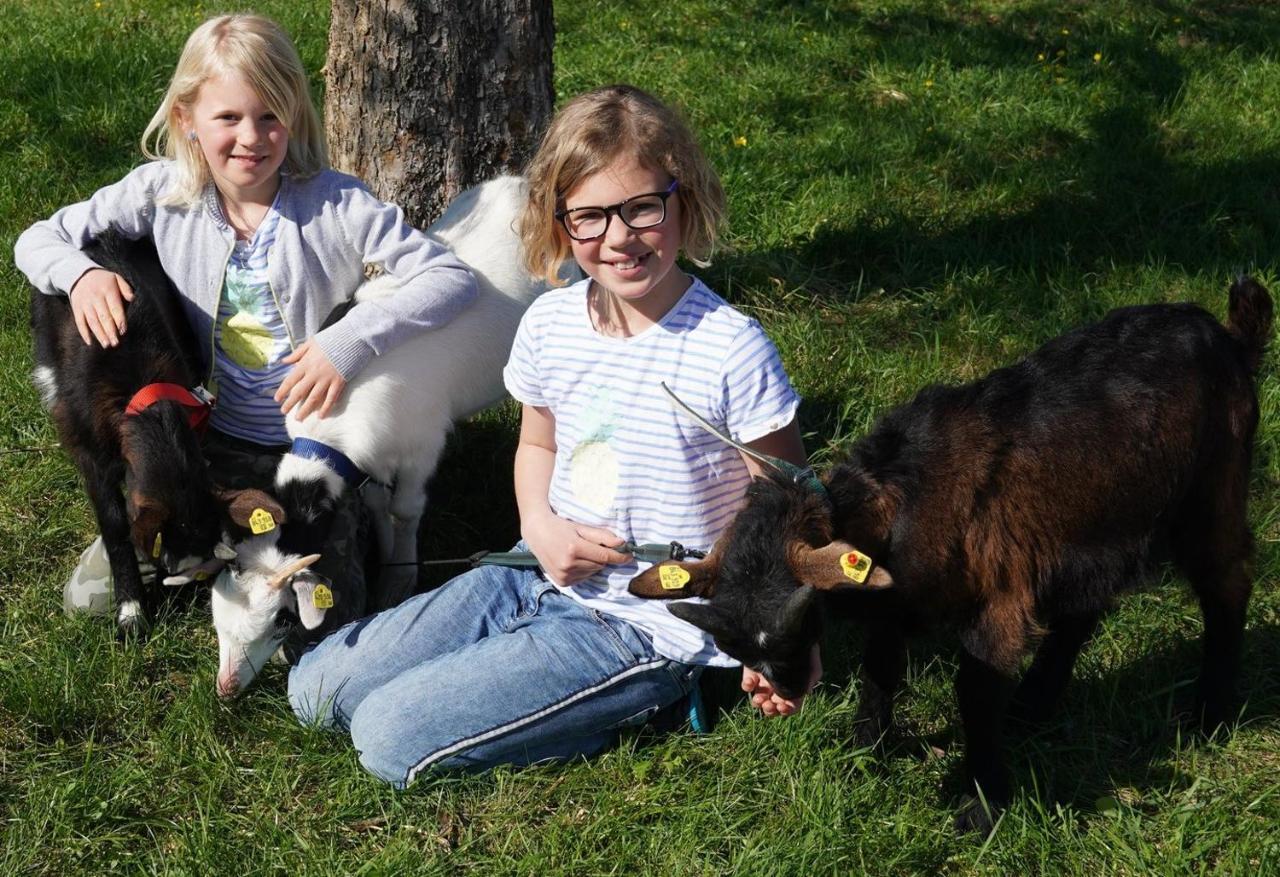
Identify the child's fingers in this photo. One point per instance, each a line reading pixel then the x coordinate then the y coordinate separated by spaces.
pixel 82 325
pixel 125 289
pixel 114 302
pixel 104 327
pixel 331 398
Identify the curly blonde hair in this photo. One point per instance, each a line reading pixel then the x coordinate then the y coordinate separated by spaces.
pixel 259 50
pixel 587 135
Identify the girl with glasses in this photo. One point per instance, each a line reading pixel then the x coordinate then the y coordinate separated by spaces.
pixel 514 666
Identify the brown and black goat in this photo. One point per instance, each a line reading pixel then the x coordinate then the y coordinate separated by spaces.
pixel 127 417
pixel 1010 510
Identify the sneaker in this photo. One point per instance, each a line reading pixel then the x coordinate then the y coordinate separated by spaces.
pixel 89 589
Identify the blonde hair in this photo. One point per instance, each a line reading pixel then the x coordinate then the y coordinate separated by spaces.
pixel 590 133
pixel 259 50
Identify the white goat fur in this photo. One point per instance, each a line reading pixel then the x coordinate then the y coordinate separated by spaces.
pixel 393 418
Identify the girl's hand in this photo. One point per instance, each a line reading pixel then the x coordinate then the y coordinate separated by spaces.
pixel 313 382
pixel 97 304
pixel 569 552
pixel 768 701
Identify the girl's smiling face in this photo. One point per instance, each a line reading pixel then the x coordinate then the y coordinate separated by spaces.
pixel 242 140
pixel 636 266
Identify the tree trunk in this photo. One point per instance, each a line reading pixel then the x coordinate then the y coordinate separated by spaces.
pixel 424 98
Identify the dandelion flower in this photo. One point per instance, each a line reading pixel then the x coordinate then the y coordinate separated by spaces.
pixel 1039 56
pixel 739 141
pixel 1097 56
pixel 928 83
pixel 1065 32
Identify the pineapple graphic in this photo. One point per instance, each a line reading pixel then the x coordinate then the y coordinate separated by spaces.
pixel 593 465
pixel 245 340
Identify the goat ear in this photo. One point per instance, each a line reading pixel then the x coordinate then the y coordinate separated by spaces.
pixel 255 510
pixel 673 580
pixel 314 598
pixel 146 517
pixel 718 623
pixel 838 566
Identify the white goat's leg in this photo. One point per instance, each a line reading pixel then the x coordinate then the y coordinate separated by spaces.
pixel 398 578
pixel 377 499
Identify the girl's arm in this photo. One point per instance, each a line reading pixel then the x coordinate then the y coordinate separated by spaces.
pixel 786 444
pixel 568 552
pixel 49 252
pixel 434 286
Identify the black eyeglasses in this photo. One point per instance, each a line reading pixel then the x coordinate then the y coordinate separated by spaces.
pixel 637 212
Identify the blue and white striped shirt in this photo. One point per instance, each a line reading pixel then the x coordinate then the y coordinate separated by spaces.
pixel 626 460
pixel 250 339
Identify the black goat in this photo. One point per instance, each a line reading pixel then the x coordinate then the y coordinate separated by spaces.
pixel 146 441
pixel 1010 510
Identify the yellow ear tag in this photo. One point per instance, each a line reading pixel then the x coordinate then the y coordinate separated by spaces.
pixel 155 549
pixel 673 578
pixel 322 597
pixel 260 521
pixel 855 566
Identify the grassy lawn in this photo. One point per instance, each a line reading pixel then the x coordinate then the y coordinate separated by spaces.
pixel 919 191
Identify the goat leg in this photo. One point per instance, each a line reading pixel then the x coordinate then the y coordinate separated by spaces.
pixel 884 663
pixel 113 523
pixel 1224 608
pixel 983 692
pixel 1041 688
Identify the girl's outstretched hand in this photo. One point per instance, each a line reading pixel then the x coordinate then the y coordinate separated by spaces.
pixel 313 382
pixel 768 701
pixel 569 552
pixel 97 304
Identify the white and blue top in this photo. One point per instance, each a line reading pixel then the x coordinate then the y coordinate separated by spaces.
pixel 250 340
pixel 626 460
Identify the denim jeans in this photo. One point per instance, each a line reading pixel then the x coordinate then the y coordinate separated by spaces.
pixel 494 667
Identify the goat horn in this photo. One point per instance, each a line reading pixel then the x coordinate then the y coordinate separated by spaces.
pixel 278 580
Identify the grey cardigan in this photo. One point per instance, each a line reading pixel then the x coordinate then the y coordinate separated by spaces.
pixel 330 227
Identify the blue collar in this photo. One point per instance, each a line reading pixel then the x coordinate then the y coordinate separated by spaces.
pixel 333 458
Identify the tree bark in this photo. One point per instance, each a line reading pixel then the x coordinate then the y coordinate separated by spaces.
pixel 424 98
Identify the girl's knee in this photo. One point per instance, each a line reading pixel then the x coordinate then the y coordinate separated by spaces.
pixel 312 697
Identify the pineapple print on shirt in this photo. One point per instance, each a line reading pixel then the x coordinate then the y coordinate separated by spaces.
pixel 593 465
pixel 246 341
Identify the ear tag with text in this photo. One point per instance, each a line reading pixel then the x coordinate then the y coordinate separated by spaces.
pixel 672 578
pixel 855 566
pixel 155 549
pixel 322 597
pixel 260 521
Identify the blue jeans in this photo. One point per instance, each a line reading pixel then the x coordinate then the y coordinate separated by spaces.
pixel 494 667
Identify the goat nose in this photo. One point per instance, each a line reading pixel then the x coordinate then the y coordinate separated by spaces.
pixel 228 684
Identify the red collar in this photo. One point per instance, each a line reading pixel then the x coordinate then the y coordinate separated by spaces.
pixel 198 402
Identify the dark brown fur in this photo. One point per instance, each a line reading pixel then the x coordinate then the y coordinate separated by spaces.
pixel 1011 510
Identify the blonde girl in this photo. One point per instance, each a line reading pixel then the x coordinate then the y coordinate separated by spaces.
pixel 515 666
pixel 260 237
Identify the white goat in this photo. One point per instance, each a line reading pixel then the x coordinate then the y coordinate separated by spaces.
pixel 391 423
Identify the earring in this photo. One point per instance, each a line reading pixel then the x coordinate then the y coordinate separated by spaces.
pixel 191 136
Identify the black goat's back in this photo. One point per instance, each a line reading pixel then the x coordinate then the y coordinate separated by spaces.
pixel 1067 475
pixel 157 346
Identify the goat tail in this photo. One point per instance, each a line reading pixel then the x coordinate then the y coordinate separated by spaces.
pixel 1249 318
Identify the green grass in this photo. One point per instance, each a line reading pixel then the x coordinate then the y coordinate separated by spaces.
pixel 919 191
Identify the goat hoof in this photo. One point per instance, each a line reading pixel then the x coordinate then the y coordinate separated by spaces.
pixel 131 621
pixel 976 816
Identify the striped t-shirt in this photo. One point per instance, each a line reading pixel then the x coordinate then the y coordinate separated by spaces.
pixel 250 340
pixel 625 459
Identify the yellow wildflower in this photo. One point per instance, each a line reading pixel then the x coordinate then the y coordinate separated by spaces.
pixel 1039 56
pixel 1097 56
pixel 928 83
pixel 739 141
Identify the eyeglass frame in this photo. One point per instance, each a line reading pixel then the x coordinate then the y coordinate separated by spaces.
pixel 612 210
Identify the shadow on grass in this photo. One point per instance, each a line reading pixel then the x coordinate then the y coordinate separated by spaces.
pixel 1114 730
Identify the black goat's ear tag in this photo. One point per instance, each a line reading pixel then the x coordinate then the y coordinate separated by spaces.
pixel 675 580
